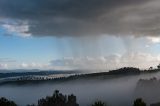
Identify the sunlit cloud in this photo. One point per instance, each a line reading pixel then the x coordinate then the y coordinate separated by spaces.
pixel 140 60
pixel 154 39
pixel 34 65
pixel 3 66
pixel 17 29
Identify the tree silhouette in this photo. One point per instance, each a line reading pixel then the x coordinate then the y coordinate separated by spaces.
pixel 58 99
pixel 155 104
pixel 158 66
pixel 99 103
pixel 150 68
pixel 6 102
pixel 139 102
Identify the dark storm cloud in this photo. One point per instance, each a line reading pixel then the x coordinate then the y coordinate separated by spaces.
pixel 84 17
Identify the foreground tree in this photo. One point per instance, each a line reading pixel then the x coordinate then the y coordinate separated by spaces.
pixel 139 102
pixel 99 103
pixel 158 66
pixel 58 99
pixel 6 102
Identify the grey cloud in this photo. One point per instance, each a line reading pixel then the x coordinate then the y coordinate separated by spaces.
pixel 84 17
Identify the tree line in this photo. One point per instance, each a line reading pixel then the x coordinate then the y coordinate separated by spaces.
pixel 58 99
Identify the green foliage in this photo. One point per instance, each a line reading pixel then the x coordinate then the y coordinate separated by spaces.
pixel 139 102
pixel 99 103
pixel 6 102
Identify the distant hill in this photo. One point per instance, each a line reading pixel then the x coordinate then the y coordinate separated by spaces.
pixel 43 76
pixel 13 73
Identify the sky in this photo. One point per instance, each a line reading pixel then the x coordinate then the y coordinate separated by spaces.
pixel 83 34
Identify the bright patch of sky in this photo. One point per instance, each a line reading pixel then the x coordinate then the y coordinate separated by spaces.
pixel 75 53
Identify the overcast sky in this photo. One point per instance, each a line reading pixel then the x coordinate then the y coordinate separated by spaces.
pixel 79 34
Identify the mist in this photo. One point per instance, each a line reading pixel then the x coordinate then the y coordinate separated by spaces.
pixel 114 91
